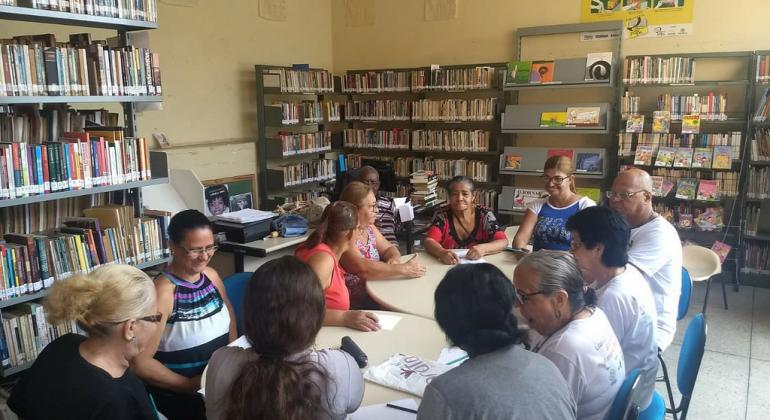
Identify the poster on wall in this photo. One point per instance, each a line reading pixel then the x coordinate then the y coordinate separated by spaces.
pixel 224 195
pixel 642 18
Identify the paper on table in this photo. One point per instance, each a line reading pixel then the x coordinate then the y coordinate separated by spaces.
pixel 461 253
pixel 383 412
pixel 388 322
pixel 246 216
pixel 452 355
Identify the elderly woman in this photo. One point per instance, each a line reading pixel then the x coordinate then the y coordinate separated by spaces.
pixel 546 217
pixel 463 225
pixel 600 239
pixel 373 257
pixel 88 377
pixel 577 337
pixel 501 380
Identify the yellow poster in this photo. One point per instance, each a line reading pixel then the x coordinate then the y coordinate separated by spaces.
pixel 642 18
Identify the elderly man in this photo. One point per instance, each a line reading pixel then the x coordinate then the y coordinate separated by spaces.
pixel 655 249
pixel 386 220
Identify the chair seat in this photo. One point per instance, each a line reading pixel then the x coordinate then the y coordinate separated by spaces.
pixel 656 410
pixel 700 262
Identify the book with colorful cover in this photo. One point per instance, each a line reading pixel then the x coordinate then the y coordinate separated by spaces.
pixel 667 187
pixel 542 72
pixel 701 157
pixel 711 219
pixel 686 188
pixel 708 190
pixel 584 116
pixel 643 155
pixel 665 157
pixel 685 221
pixel 723 157
pixel 683 157
pixel 635 124
pixel 518 72
pixel 661 121
pixel 592 193
pixel 589 162
pixel 661 186
pixel 553 119
pixel 691 124
pixel 512 161
pixel 523 196
pixel 561 152
pixel 722 249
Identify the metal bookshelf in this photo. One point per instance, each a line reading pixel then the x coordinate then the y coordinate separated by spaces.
pixel 10 100
pixel 73 19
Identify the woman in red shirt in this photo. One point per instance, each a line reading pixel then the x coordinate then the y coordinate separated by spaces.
pixel 332 237
pixel 463 225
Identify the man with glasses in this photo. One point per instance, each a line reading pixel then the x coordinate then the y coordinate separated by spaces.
pixel 655 247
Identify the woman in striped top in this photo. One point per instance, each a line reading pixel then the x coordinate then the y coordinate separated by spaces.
pixel 197 316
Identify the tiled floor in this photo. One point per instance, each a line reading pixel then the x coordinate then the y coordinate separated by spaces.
pixel 734 378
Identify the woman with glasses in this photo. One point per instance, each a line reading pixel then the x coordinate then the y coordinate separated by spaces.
pixel 577 337
pixel 81 377
pixel 545 219
pixel 197 317
pixel 373 256
pixel 463 225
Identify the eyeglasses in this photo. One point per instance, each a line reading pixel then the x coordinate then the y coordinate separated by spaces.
pixel 152 318
pixel 575 245
pixel 621 195
pixel 557 180
pixel 197 252
pixel 524 297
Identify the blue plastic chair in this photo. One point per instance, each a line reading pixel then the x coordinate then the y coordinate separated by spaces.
pixel 624 407
pixel 690 357
pixel 684 305
pixel 235 286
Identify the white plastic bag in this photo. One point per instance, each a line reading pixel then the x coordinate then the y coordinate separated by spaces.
pixel 406 373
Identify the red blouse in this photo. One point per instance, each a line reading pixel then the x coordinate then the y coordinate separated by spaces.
pixel 486 229
pixel 337 296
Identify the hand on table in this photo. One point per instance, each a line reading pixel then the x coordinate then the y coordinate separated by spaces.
pixel 360 320
pixel 474 253
pixel 449 258
pixel 412 269
pixel 396 260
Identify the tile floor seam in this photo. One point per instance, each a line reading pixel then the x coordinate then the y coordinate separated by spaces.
pixel 751 337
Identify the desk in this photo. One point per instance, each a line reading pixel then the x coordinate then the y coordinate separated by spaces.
pixel 412 335
pixel 260 248
pixel 415 296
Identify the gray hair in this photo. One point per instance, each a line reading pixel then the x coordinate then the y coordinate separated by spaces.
pixel 558 271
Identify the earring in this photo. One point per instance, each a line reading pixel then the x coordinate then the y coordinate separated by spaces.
pixel 132 338
pixel 558 315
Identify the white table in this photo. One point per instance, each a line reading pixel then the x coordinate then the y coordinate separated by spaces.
pixel 415 296
pixel 412 335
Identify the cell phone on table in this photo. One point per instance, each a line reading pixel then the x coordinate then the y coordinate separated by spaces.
pixel 519 250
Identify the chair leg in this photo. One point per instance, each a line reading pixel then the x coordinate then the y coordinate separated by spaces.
pixel 724 290
pixel 666 380
pixel 706 300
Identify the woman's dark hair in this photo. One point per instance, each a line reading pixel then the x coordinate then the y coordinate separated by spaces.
pixel 474 307
pixel 460 179
pixel 186 220
pixel 283 309
pixel 559 271
pixel 337 219
pixel 605 226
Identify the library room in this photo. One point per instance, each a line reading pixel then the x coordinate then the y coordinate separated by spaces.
pixel 308 209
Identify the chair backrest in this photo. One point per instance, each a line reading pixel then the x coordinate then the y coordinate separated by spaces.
pixel 684 296
pixel 700 262
pixel 624 399
pixel 690 355
pixel 235 286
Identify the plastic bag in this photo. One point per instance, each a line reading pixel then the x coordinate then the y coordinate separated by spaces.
pixel 406 373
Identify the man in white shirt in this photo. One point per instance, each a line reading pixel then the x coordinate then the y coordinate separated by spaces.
pixel 655 248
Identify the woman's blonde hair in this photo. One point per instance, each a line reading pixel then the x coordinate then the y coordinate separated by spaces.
pixel 96 301
pixel 355 193
pixel 561 164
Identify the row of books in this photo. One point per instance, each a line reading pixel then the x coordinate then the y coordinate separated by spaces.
pixel 304 172
pixel 753 213
pixel 487 197
pixel 763 107
pixel 32 124
pixel 300 80
pixel 687 217
pixel 718 157
pixel 763 68
pixel 651 70
pixel 37 65
pixel 628 143
pixel 48 215
pixel 303 143
pixel 376 81
pixel 760 145
pixel 26 332
pixel 758 183
pixel 464 78
pixel 756 258
pixel 305 112
pixel 378 110
pixel 710 107
pixel 727 182
pixel 145 10
pixel 451 140
pixel 395 138
pixel 707 190
pixel 482 109
pixel 449 168
pixel 74 163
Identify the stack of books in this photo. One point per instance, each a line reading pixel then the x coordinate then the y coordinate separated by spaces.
pixel 424 184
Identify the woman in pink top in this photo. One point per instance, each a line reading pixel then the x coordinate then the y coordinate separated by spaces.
pixel 334 235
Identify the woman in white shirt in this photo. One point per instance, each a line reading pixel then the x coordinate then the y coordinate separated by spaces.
pixel 600 239
pixel 577 337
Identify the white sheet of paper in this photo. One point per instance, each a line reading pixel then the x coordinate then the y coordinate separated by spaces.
pixel 461 253
pixel 399 201
pixel 451 354
pixel 383 412
pixel 388 322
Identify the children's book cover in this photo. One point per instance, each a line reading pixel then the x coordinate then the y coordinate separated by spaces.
pixel 686 188
pixel 665 158
pixel 683 157
pixel 708 190
pixel 701 157
pixel 635 124
pixel 691 124
pixel 723 157
pixel 661 121
pixel 643 155
pixel 542 72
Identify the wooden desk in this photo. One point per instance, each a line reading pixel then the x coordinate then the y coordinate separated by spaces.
pixel 260 248
pixel 415 296
pixel 412 335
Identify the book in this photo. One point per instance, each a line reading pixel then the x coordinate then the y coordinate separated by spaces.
pixel 661 186
pixel 683 157
pixel 685 221
pixel 523 196
pixel 588 162
pixel 722 158
pixel 560 152
pixel 542 72
pixel 592 193
pixel 583 116
pixel 643 155
pixel 710 219
pixel 691 124
pixel 635 124
pixel 708 190
pixel 701 157
pixel 553 119
pixel 722 250
pixel 665 158
pixel 686 187
pixel 598 66
pixel 661 121
pixel 512 161
pixel 518 72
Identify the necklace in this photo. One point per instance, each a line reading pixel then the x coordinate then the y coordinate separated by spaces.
pixel 588 308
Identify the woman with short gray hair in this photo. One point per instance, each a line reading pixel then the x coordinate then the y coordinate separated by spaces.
pixel 577 337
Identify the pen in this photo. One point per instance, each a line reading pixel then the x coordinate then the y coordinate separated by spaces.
pixel 459 359
pixel 408 410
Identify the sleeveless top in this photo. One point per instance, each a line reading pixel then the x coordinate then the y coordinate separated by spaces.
pixel 337 296
pixel 198 325
pixel 356 285
pixel 486 229
pixel 550 230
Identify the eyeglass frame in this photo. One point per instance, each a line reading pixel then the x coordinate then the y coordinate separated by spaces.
pixel 547 179
pixel 622 195
pixel 522 298
pixel 209 250
pixel 152 318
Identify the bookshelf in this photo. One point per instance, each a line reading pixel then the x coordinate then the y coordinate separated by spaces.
pixel 62 247
pixel 531 135
pixel 298 131
pixel 666 90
